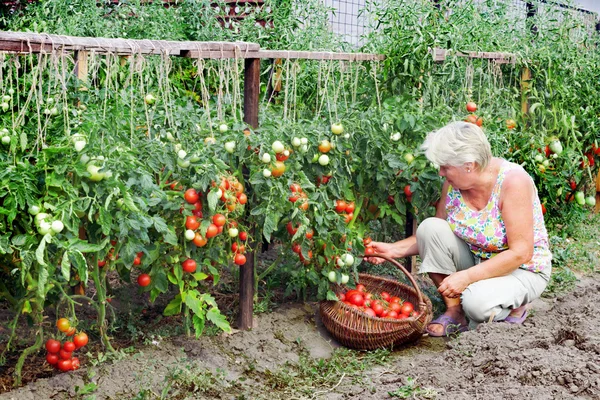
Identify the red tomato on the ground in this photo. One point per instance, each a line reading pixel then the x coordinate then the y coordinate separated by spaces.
pixel 65 365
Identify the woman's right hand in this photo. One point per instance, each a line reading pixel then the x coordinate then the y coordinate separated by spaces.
pixel 386 249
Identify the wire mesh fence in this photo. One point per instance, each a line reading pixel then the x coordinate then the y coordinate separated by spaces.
pixel 351 18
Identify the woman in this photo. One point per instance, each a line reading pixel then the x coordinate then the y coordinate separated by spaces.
pixel 487 248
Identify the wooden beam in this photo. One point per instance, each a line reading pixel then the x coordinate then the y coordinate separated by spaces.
pixel 439 55
pixel 319 55
pixel 525 85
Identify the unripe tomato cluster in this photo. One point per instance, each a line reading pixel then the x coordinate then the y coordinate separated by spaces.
pixel 60 354
pixel 44 222
pixel 382 305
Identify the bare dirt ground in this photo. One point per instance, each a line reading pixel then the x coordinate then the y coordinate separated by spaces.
pixel 554 355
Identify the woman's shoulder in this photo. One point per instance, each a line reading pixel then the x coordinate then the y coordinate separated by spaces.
pixel 516 179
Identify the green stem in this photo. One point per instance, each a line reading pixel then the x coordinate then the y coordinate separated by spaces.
pixel 266 272
pixel 13 330
pixel 98 277
pixel 37 317
pixel 186 320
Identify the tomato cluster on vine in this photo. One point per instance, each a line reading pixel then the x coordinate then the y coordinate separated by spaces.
pixel 60 354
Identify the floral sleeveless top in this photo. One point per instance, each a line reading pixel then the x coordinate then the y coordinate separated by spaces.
pixel 484 230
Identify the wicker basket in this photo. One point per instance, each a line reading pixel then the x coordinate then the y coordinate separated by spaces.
pixel 354 329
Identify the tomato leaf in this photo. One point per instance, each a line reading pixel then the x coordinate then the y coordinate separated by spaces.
pixel 39 252
pixel 159 280
pixel 168 232
pixel 270 226
pixel 23 140
pixel 208 299
pixel 78 260
pixel 193 302
pixel 105 220
pixel 213 198
pixel 5 244
pixel 85 246
pixel 41 281
pixel 174 307
pixel 331 295
pixel 199 323
pixel 65 266
pixel 215 316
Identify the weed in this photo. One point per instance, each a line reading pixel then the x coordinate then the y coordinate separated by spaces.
pixel 412 390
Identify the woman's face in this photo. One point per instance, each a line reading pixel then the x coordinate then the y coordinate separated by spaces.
pixel 458 177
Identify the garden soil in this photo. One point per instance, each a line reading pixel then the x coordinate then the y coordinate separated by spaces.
pixel 554 355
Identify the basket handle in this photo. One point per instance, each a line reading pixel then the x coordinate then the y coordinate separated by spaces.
pixel 422 305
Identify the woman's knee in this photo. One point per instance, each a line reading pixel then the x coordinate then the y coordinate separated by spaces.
pixel 476 307
pixel 431 227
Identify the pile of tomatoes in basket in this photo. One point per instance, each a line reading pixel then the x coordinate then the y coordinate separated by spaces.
pixel 60 355
pixel 382 305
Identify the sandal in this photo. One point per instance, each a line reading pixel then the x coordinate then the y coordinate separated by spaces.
pixel 450 325
pixel 511 319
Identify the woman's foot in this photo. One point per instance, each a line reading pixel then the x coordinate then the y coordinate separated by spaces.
pixel 452 321
pixel 518 315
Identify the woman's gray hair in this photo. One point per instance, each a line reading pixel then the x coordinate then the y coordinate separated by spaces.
pixel 456 144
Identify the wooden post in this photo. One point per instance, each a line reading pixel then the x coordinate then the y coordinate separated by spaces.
pixel 251 101
pixel 525 85
pixel 81 65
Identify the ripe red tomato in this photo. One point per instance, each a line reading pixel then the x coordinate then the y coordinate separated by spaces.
pixel 348 217
pixel 65 365
pixel 394 307
pixel 367 241
pixel 395 299
pixel 75 364
pixel 385 296
pixel 282 156
pixel 212 231
pixel 71 331
pixel 340 206
pixel 378 308
pixel 69 347
pixel 63 325
pixel 242 198
pixel 137 261
pixel 243 235
pixel 290 228
pixel 360 287
pixel 144 280
pixel 80 340
pixel 189 265
pixel 309 234
pixel 471 107
pixel 52 358
pixel 191 196
pixel 369 251
pixel 392 314
pixel 219 219
pixel 572 184
pixel 101 263
pixel 296 188
pixel 52 346
pixel 370 312
pixel 407 308
pixel 472 118
pixel 239 259
pixel 350 207
pixel 191 222
pixel 407 191
pixel 64 355
pixel 199 241
pixel 543 209
pixel 357 299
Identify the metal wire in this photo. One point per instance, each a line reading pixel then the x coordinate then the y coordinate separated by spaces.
pixel 349 18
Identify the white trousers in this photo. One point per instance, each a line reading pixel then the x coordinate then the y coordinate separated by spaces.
pixel 444 253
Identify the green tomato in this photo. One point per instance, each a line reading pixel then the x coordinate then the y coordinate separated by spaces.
pixel 278 147
pixel 324 159
pixel 223 128
pixel 230 146
pixel 580 198
pixel 590 201
pixel 149 99
pixel 95 174
pixel 57 226
pixel 5 139
pixel 34 210
pixel 337 129
pixel 39 218
pixel 44 228
pixel 345 279
pixel 190 234
pixel 409 158
pixel 332 276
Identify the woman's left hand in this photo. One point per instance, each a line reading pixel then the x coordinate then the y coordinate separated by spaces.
pixel 453 285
